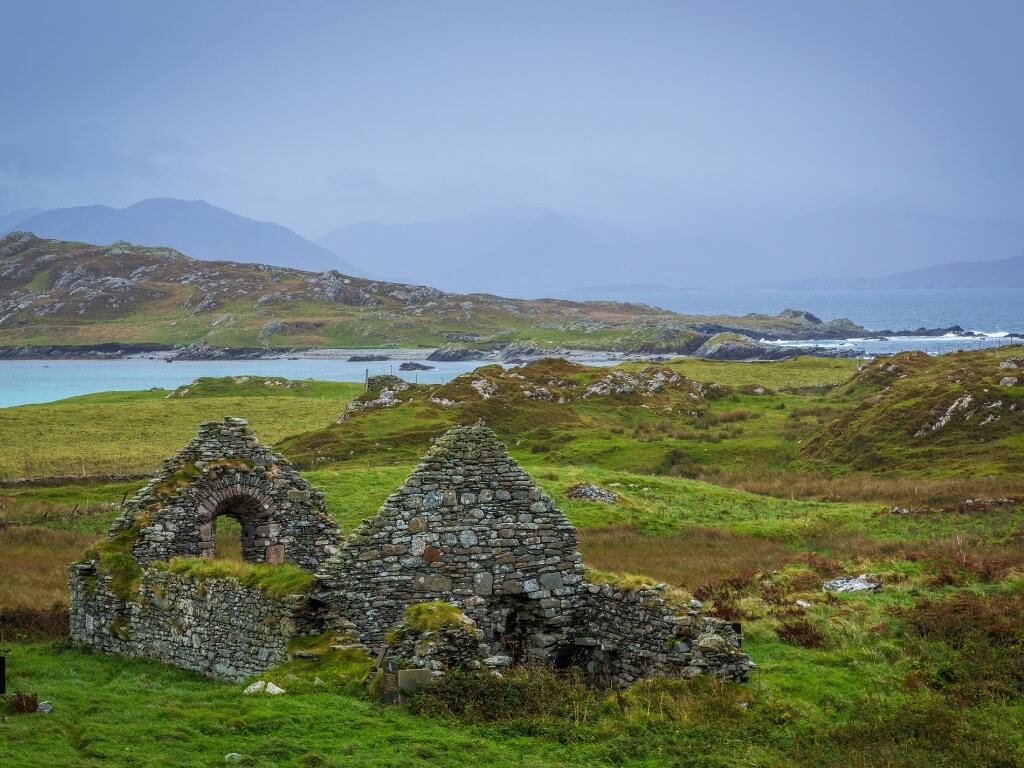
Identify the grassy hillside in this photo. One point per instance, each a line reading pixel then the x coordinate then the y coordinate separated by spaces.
pixel 56 292
pixel 804 428
pixel 131 432
pixel 926 672
pixel 930 415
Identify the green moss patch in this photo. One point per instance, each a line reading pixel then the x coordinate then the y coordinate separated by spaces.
pixel 430 617
pixel 278 581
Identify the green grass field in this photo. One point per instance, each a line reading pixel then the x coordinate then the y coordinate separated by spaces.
pixel 926 672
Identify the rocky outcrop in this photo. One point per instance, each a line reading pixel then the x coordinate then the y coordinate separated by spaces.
pixel 735 347
pixel 455 353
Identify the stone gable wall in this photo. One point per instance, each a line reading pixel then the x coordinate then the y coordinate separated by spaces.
pixel 225 471
pixel 468 526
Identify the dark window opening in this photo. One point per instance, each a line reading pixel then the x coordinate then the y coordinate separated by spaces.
pixel 568 657
pixel 235 531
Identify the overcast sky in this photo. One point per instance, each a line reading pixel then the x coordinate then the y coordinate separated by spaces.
pixel 641 114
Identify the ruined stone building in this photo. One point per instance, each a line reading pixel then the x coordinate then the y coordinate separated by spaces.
pixel 469 526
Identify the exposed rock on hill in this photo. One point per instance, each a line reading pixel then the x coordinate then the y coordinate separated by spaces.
pixel 927 412
pixel 731 346
pixel 60 294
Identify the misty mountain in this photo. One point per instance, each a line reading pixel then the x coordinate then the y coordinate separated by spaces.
pixel 194 227
pixel 11 220
pixel 524 252
pixel 975 274
pixel 535 252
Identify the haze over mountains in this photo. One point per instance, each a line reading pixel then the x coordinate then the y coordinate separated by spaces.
pixel 535 252
pixel 196 228
pixel 522 251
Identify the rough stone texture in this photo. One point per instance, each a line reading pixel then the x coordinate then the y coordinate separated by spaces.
pixel 470 527
pixel 623 635
pixel 225 471
pixel 216 627
pixel 862 583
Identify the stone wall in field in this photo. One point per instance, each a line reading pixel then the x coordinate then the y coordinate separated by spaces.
pixel 468 526
pixel 625 635
pixel 215 626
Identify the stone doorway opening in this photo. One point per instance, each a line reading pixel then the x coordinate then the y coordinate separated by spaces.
pixel 227 538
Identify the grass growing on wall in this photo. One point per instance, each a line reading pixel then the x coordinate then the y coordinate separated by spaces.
pixel 273 580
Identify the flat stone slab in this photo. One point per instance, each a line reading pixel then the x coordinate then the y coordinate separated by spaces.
pixel 862 583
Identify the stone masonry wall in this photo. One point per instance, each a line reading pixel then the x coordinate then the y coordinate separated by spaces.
pixel 225 471
pixel 627 634
pixel 468 526
pixel 471 528
pixel 216 627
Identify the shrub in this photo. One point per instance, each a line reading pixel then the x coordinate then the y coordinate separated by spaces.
pixel 800 632
pixel 34 623
pixel 24 703
pixel 970 646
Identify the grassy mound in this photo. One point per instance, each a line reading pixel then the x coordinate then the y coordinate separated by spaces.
pixel 945 415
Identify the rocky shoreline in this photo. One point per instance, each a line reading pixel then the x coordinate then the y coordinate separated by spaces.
pixel 717 342
pixel 512 353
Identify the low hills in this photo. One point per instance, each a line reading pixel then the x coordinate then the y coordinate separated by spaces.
pixel 933 415
pixel 55 292
pixel 957 415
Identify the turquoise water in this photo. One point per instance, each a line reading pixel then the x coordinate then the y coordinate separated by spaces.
pixel 993 312
pixel 41 381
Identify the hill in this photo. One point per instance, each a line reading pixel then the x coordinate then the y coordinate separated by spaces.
pixel 951 416
pixel 513 251
pixel 946 415
pixel 194 227
pixel 960 274
pixel 11 220
pixel 66 293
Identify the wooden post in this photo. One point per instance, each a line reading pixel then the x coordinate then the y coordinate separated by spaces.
pixel 3 675
pixel 366 381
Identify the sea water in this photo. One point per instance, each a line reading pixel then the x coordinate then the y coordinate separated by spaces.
pixel 994 313
pixel 41 381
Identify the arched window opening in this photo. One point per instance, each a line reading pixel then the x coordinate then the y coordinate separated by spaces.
pixel 239 529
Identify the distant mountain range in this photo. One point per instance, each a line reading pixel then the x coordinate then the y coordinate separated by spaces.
pixel 958 274
pixel 523 252
pixel 12 219
pixel 194 227
pixel 534 252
